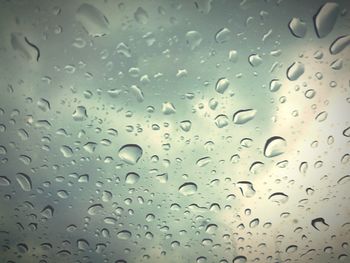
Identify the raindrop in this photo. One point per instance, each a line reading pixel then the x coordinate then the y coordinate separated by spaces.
pixel 297 27
pixel 295 71
pixel 168 108
pixel 203 161
pixel 255 60
pixel 124 234
pixel 4 181
pixel 186 125
pixel 193 39
pixel 132 178
pixel 275 146
pixel 188 189
pixel 243 116
pixel 275 85
pixel 279 197
pixel 130 153
pixel 239 259
pixel 325 19
pixel 319 224
pixel 93 20
pixel 24 181
pixel 222 85
pixel 141 16
pixel 95 209
pixel 292 249
pixel 339 44
pixel 223 35
pixel 79 114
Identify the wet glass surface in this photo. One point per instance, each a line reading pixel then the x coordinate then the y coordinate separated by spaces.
pixel 174 131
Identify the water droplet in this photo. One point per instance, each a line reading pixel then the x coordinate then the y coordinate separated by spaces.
pixel 43 104
pixel 132 178
pixel 141 16
pixel 193 39
pixel 162 178
pixel 346 132
pixel 130 153
pixel 4 181
pixel 246 188
pixel 79 114
pixel 137 92
pixel 124 234
pixel 255 60
pixel 339 44
pixel 186 125
pixel 275 146
pixel 325 19
pixel 279 197
pixel 275 85
pixel 239 259
pixel 233 56
pixel 295 71
pixel 319 224
pixel 66 151
pixel 93 20
pixel 188 189
pixel 221 121
pixel 24 181
pixel 168 108
pixel 223 35
pixel 63 194
pixel 254 223
pixel 222 85
pixel 211 229
pixel 47 211
pixel 95 209
pixel 344 179
pixel 243 116
pixel 297 27
pixel 203 161
pixel 291 249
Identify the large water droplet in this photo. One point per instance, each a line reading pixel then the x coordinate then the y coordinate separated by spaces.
pixel 188 188
pixel 24 181
pixel 93 20
pixel 243 116
pixel 339 44
pixel 278 197
pixel 275 146
pixel 193 39
pixel 239 259
pixel 325 19
pixel 4 181
pixel 223 35
pixel 130 153
pixel 222 85
pixel 95 209
pixel 297 27
pixel 295 71
pixel 319 224
pixel 79 114
pixel 203 161
pixel 141 16
pixel 132 178
pixel 255 60
pixel 275 85
pixel 124 234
